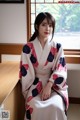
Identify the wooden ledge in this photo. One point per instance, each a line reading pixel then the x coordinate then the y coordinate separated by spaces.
pixel 9 77
pixel 72 56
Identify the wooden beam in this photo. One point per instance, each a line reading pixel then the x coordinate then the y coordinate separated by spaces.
pixel 73 60
pixel 71 52
pixel 14 49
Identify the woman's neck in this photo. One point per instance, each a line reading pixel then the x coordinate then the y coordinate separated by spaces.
pixel 42 41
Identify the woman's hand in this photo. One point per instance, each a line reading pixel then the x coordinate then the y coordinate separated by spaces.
pixel 46 92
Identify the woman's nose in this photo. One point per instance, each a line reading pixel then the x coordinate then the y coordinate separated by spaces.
pixel 47 27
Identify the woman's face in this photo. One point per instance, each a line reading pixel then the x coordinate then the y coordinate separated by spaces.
pixel 45 29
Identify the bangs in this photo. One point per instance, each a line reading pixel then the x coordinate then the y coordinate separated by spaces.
pixel 50 19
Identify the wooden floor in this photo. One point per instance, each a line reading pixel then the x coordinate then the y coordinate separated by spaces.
pixel 74 112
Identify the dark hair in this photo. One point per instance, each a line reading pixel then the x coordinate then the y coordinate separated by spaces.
pixel 40 17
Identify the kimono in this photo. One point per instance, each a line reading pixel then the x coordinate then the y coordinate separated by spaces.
pixel 37 67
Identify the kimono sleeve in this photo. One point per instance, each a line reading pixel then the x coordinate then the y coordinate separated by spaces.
pixel 26 74
pixel 59 70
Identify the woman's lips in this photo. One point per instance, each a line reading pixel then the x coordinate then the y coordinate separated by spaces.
pixel 46 32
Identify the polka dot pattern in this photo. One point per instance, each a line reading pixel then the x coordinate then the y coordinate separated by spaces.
pixel 62 61
pixel 23 71
pixel 28 115
pixel 37 90
pixel 36 81
pixel 59 80
pixel 58 46
pixel 34 92
pixel 26 49
pixel 33 59
pixel 50 57
pixel 55 76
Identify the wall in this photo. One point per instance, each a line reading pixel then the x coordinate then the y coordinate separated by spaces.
pixel 73 80
pixel 13 23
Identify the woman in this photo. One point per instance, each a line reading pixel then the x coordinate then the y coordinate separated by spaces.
pixel 43 73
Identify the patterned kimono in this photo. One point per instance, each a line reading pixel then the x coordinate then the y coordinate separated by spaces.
pixel 37 67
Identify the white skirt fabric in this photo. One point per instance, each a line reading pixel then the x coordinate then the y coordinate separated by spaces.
pixel 51 109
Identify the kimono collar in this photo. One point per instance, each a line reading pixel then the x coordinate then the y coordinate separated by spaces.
pixel 41 53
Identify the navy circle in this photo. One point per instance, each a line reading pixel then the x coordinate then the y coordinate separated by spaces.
pixel 34 92
pixel 26 49
pixel 23 71
pixel 58 46
pixel 33 59
pixel 59 80
pixel 50 57
pixel 36 81
pixel 62 61
pixel 28 115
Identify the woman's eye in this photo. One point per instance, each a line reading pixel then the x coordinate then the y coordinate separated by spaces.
pixel 50 25
pixel 44 24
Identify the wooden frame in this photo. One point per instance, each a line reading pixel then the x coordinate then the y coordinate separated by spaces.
pixel 11 1
pixel 72 56
pixel 28 12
